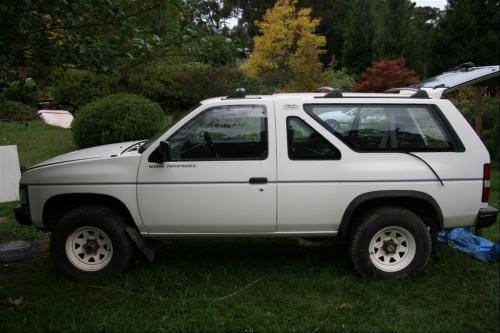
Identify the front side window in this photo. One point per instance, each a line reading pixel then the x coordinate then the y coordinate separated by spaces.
pixel 305 143
pixel 384 127
pixel 223 133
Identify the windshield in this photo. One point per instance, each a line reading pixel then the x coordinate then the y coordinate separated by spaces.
pixel 149 142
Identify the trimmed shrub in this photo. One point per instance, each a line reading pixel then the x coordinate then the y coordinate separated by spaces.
pixel 117 118
pixel 23 91
pixel 15 111
pixel 75 88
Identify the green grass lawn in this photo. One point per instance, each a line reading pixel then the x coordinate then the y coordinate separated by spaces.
pixel 238 285
pixel 37 141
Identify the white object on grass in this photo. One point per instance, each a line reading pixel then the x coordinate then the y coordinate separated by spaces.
pixel 10 173
pixel 59 118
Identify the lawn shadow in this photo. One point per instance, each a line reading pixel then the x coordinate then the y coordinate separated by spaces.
pixel 264 255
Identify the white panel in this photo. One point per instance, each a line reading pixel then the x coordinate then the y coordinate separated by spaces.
pixel 59 118
pixel 208 208
pixel 209 196
pixel 10 173
pixel 320 206
pixel 313 195
pixel 126 193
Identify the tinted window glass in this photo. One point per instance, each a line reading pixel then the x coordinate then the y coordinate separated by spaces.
pixel 384 127
pixel 223 133
pixel 304 143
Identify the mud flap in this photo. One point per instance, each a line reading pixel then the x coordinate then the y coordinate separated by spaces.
pixel 142 244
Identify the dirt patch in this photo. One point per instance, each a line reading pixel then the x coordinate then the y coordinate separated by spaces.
pixel 3 219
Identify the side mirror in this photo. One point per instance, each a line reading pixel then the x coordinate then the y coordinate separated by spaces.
pixel 165 150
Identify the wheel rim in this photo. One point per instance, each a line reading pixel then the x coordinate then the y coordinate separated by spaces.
pixel 89 249
pixel 392 249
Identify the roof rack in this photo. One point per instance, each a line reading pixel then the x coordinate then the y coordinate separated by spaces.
pixel 238 93
pixel 331 92
pixel 465 66
pixel 419 93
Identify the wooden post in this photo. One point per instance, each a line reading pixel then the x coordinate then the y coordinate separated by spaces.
pixel 478 116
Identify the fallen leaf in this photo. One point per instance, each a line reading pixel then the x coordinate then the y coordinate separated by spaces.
pixel 16 301
pixel 345 306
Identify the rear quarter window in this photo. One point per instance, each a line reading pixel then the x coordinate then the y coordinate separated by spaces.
pixel 368 128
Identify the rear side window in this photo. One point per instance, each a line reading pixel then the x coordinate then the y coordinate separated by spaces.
pixel 304 143
pixel 385 127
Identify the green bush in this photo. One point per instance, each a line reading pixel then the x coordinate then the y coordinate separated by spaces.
pixel 151 80
pixel 197 83
pixel 15 111
pixel 342 80
pixel 23 91
pixel 117 118
pixel 74 88
pixel 178 88
pixel 463 100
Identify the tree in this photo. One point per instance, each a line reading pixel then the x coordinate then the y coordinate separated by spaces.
pixel 468 32
pixel 37 35
pixel 397 34
pixel 357 51
pixel 332 25
pixel 386 74
pixel 251 12
pixel 418 45
pixel 286 53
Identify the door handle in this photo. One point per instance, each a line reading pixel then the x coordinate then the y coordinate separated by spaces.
pixel 258 180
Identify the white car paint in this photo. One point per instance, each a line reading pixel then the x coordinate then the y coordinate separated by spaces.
pixel 206 198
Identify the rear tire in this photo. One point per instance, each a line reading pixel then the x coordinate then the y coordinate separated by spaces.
pixel 91 242
pixel 390 242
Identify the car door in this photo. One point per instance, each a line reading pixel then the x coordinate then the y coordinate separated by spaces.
pixel 220 177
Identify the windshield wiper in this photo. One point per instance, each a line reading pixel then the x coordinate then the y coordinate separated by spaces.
pixel 430 167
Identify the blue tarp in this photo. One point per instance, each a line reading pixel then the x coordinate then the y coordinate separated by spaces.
pixel 463 240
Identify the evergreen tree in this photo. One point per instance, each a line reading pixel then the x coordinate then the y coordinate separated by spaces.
pixel 357 52
pixel 468 32
pixel 393 27
pixel 333 20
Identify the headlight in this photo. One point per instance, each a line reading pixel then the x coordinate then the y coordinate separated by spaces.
pixel 23 195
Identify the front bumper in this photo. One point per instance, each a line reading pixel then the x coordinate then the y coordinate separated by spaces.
pixel 486 217
pixel 23 215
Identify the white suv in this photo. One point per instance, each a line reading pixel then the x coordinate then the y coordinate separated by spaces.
pixel 383 171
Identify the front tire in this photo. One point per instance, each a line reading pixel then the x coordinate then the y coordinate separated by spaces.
pixel 91 242
pixel 390 242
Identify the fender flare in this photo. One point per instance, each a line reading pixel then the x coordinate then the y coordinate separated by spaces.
pixel 386 194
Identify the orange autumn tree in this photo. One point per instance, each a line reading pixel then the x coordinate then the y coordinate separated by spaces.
pixel 386 74
pixel 286 53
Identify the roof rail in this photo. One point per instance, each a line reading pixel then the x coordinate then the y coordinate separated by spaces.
pixel 419 93
pixel 238 93
pixel 324 89
pixel 465 65
pixel 396 90
pixel 331 92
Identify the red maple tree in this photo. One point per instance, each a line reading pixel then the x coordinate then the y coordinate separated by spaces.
pixel 386 74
